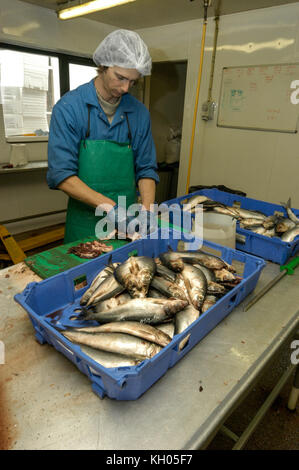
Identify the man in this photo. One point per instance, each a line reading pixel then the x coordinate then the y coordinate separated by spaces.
pixel 100 143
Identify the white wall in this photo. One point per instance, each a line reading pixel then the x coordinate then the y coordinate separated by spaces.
pixel 263 164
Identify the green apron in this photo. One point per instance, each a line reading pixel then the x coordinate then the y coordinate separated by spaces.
pixel 108 168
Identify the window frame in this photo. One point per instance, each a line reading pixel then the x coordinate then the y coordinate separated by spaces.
pixel 64 60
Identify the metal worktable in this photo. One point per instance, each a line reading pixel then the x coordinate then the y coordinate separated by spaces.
pixel 47 403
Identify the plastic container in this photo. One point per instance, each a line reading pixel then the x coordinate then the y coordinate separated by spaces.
pixel 272 249
pixel 52 302
pixel 219 228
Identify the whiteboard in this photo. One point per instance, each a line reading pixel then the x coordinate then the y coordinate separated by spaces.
pixel 259 97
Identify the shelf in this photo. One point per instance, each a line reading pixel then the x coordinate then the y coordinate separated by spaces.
pixel 31 166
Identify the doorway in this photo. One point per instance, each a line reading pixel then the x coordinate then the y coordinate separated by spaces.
pixel 165 96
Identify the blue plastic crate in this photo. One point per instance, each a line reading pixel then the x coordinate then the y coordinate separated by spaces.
pixel 272 249
pixel 51 303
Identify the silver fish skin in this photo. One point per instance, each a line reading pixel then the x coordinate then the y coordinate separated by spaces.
pixel 290 235
pixel 99 278
pixel 167 288
pixel 167 273
pixel 136 274
pixel 120 343
pixel 210 300
pixel 196 284
pixel 113 302
pixel 172 260
pixel 270 232
pixel 184 319
pixel 290 213
pixel 226 211
pixel 107 289
pixel 141 330
pixel 248 223
pixel 199 257
pixel 216 289
pixel 193 201
pixel 284 224
pixel 248 214
pixel 167 328
pixel 181 283
pixel 209 273
pixel 108 359
pixel 155 294
pixel 147 310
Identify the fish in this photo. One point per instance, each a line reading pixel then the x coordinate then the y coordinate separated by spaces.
pixel 113 302
pixel 184 319
pixel 214 288
pixel 167 328
pixel 226 211
pixel 223 275
pixel 141 330
pixel 99 278
pixel 145 310
pixel 200 257
pixel 290 235
pixel 271 221
pixel 290 213
pixel 210 300
pixel 193 201
pixel 181 283
pixel 249 214
pixel 209 273
pixel 165 272
pixel 108 359
pixel 136 274
pixel 196 284
pixel 284 224
pixel 252 222
pixel 120 343
pixel 107 289
pixel 168 288
pixel 172 260
pixel 155 294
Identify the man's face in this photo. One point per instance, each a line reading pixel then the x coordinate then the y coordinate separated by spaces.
pixel 117 80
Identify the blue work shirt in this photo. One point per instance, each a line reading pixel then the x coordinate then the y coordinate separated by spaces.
pixel 69 124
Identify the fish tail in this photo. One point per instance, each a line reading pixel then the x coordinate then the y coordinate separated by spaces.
pixel 110 264
pixel 286 205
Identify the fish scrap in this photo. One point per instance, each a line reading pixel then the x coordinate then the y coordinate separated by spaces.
pixel 90 250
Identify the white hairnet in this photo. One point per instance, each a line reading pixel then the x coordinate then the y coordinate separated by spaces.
pixel 124 48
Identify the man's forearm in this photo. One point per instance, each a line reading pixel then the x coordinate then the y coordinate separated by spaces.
pixel 77 189
pixel 147 189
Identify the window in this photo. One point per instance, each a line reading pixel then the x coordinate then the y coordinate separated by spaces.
pixel 80 74
pixel 30 87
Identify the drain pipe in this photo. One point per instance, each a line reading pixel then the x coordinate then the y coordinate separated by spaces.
pixel 206 4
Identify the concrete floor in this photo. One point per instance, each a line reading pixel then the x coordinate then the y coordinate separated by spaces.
pixel 279 429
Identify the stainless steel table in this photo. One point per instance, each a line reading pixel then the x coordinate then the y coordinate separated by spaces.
pixel 47 403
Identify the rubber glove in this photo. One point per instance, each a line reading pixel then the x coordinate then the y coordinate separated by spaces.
pixel 118 216
pixel 144 223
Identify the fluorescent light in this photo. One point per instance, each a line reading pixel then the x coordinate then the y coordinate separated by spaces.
pixel 89 7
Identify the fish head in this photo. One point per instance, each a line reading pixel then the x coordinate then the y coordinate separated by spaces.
pixel 173 261
pixel 138 284
pixel 175 305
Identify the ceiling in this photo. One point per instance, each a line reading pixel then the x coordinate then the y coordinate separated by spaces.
pixel 149 13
